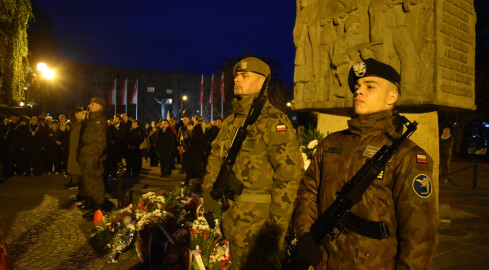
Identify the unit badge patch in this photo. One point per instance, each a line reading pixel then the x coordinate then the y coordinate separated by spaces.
pixel 421 159
pixel 422 186
pixel 281 127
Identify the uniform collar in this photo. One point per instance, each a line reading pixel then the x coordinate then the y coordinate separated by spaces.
pixel 242 106
pixel 374 124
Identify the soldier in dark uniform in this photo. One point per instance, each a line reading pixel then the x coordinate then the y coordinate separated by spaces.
pixel 269 165
pixel 402 198
pixel 93 143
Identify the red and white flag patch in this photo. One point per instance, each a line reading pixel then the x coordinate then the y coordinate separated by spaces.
pixel 421 158
pixel 281 127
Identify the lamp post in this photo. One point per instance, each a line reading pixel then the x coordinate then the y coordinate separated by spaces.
pixel 182 100
pixel 47 74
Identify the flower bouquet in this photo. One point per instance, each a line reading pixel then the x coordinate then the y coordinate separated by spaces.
pixel 309 140
pixel 168 230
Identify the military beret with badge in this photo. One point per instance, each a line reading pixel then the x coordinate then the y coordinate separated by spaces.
pixel 372 68
pixel 252 64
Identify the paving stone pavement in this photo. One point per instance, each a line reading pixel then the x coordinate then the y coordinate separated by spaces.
pixel 45 230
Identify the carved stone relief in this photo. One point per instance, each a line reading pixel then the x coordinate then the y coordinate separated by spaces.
pixel 433 50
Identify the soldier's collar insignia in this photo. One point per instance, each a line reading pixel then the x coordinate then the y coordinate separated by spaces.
pixel 381 176
pixel 422 186
pixel 244 64
pixel 359 68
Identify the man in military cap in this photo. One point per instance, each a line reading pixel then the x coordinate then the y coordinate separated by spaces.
pixel 269 164
pixel 401 199
pixel 92 155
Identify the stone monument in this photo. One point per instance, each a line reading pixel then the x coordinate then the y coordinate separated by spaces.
pixel 431 43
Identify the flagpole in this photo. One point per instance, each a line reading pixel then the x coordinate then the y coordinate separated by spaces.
pixel 222 109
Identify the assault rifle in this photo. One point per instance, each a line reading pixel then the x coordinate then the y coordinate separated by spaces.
pixel 331 223
pixel 226 184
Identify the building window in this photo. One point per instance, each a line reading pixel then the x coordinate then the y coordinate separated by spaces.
pixel 151 89
pixel 169 91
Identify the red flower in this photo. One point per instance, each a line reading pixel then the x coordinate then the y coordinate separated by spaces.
pixel 205 235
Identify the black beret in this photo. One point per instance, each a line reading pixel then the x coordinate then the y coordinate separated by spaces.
pixel 372 68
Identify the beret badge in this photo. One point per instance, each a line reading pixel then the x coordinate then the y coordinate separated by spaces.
pixel 359 68
pixel 244 65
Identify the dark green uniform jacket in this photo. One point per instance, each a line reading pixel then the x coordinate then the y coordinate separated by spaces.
pixel 402 197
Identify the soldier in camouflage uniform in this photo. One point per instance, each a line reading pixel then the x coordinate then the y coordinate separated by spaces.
pixel 402 196
pixel 269 165
pixel 92 154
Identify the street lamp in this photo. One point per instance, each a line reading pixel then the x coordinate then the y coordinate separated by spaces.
pixel 47 74
pixel 182 100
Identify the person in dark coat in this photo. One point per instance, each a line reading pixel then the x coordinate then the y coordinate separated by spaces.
pixel 54 149
pixel 73 167
pixel 33 142
pixel 153 156
pixel 3 147
pixel 165 146
pixel 134 158
pixel 195 150
pixel 93 142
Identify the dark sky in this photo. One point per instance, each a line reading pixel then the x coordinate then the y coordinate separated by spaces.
pixel 192 36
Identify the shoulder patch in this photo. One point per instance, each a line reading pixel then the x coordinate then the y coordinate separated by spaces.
pixel 421 159
pixel 422 185
pixel 281 127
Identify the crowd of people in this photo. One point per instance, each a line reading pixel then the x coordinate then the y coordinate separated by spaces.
pixel 36 144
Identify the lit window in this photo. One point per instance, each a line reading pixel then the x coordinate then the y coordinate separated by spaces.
pixel 169 91
pixel 151 89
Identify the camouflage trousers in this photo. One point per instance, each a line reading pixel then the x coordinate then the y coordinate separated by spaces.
pixel 94 183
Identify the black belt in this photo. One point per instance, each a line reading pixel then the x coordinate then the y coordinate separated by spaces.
pixel 361 226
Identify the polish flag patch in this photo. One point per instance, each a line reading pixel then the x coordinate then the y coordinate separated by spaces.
pixel 281 127
pixel 421 158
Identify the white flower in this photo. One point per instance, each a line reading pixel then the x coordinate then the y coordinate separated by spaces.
pixel 126 220
pixel 312 144
pixel 131 227
pixel 306 164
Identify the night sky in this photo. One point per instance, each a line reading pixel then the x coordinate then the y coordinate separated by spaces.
pixel 192 36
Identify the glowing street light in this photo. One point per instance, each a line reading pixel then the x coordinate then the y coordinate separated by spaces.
pixel 289 104
pixel 42 67
pixel 184 98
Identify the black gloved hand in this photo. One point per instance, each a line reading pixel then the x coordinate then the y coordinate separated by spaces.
pixel 308 250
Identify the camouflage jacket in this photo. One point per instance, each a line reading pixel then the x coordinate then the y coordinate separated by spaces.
pixel 269 164
pixel 402 197
pixel 93 140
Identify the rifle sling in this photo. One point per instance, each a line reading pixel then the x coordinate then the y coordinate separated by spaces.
pixel 372 229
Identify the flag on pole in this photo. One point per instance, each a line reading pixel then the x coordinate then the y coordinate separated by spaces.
pixel 221 87
pixel 113 94
pixel 134 98
pixel 211 100
pixel 124 93
pixel 202 90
